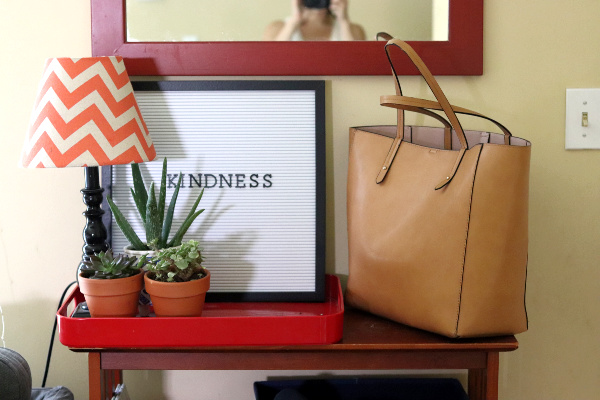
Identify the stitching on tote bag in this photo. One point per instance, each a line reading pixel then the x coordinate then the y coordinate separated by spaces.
pixel 525 293
pixel 465 247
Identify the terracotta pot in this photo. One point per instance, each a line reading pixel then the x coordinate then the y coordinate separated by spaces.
pixel 178 299
pixel 145 303
pixel 112 297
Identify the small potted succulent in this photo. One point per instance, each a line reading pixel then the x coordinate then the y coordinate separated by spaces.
pixel 111 285
pixel 177 282
pixel 156 223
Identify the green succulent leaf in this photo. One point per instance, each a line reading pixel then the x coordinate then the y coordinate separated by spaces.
pixel 152 220
pixel 192 215
pixel 105 266
pixel 176 240
pixel 166 229
pixel 139 193
pixel 162 194
pixel 177 264
pixel 125 227
pixel 157 224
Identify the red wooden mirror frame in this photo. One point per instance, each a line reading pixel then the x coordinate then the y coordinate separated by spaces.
pixel 462 54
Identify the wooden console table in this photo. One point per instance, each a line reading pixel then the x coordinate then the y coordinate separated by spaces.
pixel 369 343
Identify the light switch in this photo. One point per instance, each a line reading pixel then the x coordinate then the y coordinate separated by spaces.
pixel 582 120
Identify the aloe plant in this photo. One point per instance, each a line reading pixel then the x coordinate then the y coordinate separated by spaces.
pixel 105 266
pixel 177 264
pixel 156 223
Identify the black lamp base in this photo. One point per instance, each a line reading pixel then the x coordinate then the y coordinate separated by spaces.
pixel 94 233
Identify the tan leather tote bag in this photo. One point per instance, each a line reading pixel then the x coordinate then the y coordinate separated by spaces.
pixel 437 220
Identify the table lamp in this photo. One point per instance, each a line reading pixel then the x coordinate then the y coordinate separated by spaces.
pixel 86 115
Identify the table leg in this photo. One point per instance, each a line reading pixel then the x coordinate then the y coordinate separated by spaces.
pixel 94 378
pixel 483 383
pixel 102 382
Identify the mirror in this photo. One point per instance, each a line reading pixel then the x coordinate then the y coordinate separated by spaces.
pixel 461 54
pixel 234 20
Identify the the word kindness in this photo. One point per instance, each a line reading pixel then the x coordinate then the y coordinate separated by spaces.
pixel 234 181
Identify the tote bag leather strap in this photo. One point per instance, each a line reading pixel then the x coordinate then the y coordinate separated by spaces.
pixel 431 82
pixel 441 100
pixel 410 103
pixel 400 122
pixel 400 113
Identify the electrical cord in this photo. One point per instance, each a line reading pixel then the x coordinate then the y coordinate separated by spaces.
pixel 53 334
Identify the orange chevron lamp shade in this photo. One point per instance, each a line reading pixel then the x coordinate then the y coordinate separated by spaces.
pixel 86 115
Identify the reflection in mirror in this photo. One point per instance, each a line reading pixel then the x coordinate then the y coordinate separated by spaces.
pixel 235 20
pixel 322 20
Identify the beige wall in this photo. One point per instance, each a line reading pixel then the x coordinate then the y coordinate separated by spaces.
pixel 534 50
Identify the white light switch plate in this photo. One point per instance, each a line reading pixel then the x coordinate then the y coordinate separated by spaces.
pixel 582 103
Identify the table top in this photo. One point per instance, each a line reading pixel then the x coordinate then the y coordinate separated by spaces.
pixel 363 332
pixel 366 331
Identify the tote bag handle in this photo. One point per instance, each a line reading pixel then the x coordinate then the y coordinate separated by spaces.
pixel 400 121
pixel 431 82
pixel 442 100
pixel 419 105
pixel 410 103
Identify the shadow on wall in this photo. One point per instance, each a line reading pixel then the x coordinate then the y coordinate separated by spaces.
pixel 147 385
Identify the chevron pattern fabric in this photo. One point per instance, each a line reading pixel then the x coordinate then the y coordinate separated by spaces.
pixel 86 115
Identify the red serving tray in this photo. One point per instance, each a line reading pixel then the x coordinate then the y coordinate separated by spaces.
pixel 221 324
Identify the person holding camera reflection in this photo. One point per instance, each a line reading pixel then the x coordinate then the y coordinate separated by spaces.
pixel 316 20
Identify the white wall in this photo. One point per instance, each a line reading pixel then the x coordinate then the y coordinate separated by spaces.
pixel 534 50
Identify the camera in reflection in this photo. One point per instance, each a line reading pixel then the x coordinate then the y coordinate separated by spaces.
pixel 316 3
